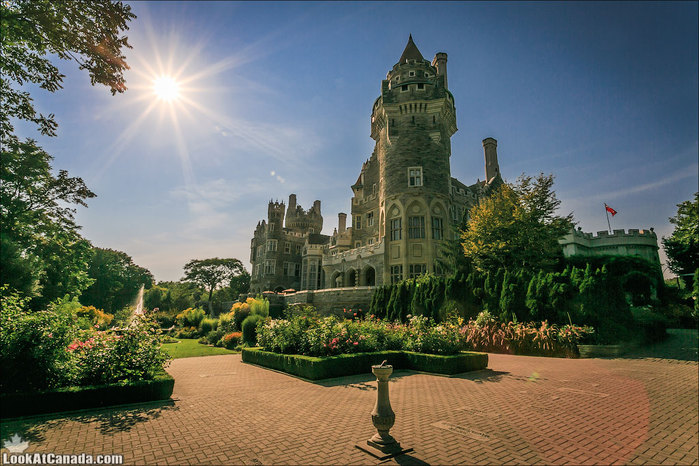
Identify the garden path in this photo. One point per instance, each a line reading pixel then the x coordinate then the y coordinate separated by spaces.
pixel 522 410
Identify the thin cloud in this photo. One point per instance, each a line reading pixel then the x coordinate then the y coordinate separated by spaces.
pixel 688 172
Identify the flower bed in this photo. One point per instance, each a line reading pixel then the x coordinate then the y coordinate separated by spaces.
pixel 316 368
pixel 93 396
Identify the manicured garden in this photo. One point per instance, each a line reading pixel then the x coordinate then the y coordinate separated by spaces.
pixel 77 356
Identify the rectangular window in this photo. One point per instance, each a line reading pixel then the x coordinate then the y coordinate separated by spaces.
pixel 371 241
pixel 286 268
pixel 357 222
pixel 271 227
pixel 420 86
pixel 416 270
pixel 396 273
pixel 297 270
pixel 258 269
pixel 437 232
pixel 298 249
pixel 396 230
pixel 403 88
pixel 415 176
pixel 260 250
pixel 287 247
pixel 269 267
pixel 416 227
pixel 272 245
pixel 357 244
pixel 370 219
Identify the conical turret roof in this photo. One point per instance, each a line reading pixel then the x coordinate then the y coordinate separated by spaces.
pixel 411 52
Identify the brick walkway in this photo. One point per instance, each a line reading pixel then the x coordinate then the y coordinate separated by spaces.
pixel 641 409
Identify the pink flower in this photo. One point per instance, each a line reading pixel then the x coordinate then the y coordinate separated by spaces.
pixel 50 335
pixel 356 343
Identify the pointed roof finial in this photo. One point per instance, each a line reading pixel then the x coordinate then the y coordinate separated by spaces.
pixel 411 52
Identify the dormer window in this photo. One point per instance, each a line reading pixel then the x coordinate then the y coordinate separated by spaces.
pixel 404 88
pixel 411 73
pixel 420 86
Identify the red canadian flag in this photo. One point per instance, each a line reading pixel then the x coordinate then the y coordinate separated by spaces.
pixel 610 210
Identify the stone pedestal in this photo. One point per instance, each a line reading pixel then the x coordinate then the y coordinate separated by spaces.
pixel 382 445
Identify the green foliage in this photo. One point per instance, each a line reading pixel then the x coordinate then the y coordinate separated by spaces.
pixel 86 31
pixel 190 317
pixel 231 340
pixel 207 325
pixel 653 325
pixel 516 228
pixel 682 246
pixel 129 354
pixel 316 368
pixel 33 346
pixel 116 280
pixel 210 273
pixel 249 328
pixel 214 337
pixel 43 255
pixel 226 322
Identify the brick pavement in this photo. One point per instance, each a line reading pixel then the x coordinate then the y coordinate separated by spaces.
pixel 522 410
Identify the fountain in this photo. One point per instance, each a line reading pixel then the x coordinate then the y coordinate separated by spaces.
pixel 139 302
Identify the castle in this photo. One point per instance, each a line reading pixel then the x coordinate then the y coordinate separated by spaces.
pixel 405 202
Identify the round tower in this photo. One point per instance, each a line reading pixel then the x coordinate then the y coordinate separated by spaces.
pixel 412 123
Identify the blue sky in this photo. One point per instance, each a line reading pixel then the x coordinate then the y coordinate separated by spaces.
pixel 276 98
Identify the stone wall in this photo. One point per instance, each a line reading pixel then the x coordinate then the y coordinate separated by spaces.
pixel 334 300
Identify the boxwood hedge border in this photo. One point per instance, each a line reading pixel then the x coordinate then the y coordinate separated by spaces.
pixel 317 368
pixel 94 396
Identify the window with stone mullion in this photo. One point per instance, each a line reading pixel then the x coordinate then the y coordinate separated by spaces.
pixel 416 227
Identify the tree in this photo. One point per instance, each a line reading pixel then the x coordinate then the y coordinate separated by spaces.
pixel 516 228
pixel 86 31
pixel 116 280
pixel 45 256
pixel 211 273
pixel 682 246
pixel 240 284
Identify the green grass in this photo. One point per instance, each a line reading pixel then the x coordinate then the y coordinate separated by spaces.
pixel 190 348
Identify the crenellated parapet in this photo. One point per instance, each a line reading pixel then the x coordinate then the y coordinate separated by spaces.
pixel 636 242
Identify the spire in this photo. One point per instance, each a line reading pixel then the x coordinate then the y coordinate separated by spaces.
pixel 411 52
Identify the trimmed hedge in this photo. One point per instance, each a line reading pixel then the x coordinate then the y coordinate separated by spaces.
pixel 316 368
pixel 94 396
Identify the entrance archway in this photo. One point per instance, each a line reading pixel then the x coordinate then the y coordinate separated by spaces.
pixel 369 276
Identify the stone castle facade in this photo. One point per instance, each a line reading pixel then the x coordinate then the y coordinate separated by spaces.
pixel 405 202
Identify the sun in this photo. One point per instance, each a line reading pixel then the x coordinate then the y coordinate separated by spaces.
pixel 166 88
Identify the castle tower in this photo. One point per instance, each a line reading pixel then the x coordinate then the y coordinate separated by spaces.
pixel 490 151
pixel 412 123
pixel 275 216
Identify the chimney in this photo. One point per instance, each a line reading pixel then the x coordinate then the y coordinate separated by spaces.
pixel 440 62
pixel 316 206
pixel 341 222
pixel 490 151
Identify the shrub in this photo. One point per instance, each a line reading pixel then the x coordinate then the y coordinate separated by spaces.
pixel 207 325
pixel 250 329
pixel 127 354
pixel 231 340
pixel 190 317
pixel 226 322
pixel 189 332
pixel 214 337
pixel 240 312
pixel 94 317
pixel 33 345
pixel 653 326
pixel 260 307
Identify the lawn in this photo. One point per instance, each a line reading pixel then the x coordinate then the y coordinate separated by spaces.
pixel 190 348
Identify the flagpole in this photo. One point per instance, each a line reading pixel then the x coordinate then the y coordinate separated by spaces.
pixel 609 225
